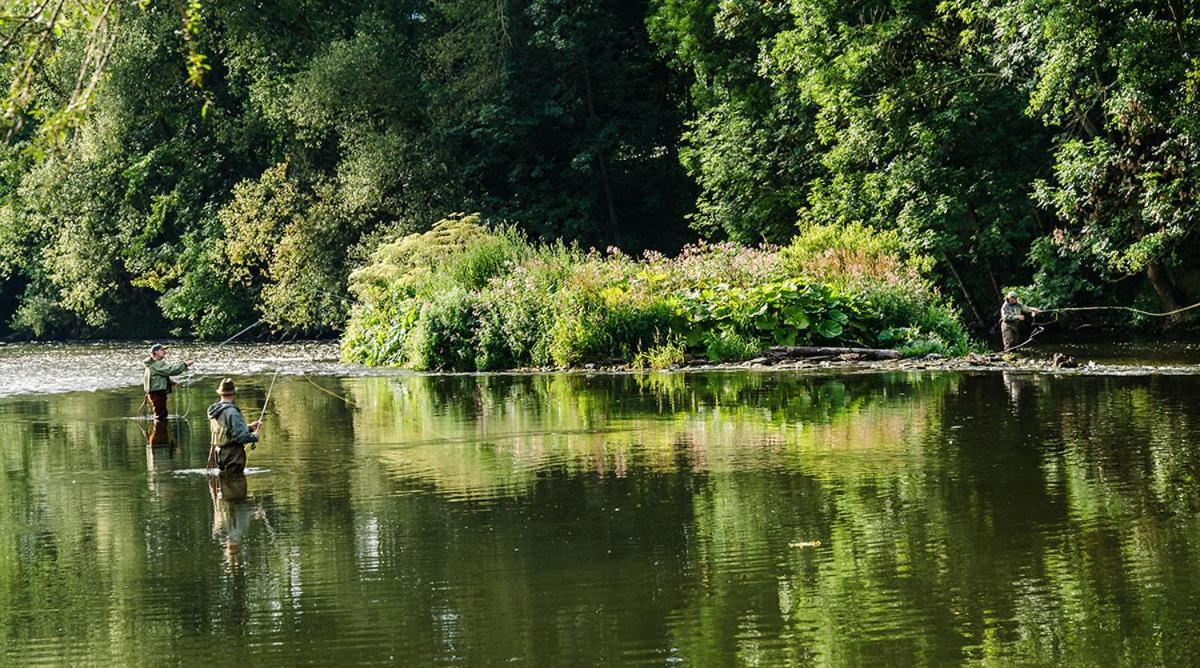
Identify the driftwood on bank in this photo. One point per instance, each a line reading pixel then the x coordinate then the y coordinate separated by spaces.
pixel 794 352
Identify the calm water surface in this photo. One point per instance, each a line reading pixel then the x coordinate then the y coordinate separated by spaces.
pixel 705 519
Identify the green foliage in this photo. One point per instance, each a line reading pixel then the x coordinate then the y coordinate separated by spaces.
pixel 218 162
pixel 782 313
pixel 749 144
pixel 727 345
pixel 442 338
pixel 463 297
pixel 663 355
pixel 194 166
pixel 875 113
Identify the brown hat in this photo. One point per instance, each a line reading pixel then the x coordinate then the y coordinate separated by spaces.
pixel 227 387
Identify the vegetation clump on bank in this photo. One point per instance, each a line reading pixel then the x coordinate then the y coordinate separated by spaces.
pixel 466 297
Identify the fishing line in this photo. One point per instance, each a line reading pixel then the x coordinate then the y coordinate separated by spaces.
pixel 268 399
pixel 329 392
pixel 187 378
pixel 1139 311
pixel 1075 309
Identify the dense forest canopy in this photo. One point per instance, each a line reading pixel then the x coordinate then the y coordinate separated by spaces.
pixel 192 167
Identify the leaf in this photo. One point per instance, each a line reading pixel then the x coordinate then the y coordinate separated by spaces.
pixel 796 317
pixel 828 329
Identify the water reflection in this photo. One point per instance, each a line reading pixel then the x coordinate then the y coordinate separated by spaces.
pixel 711 519
pixel 233 512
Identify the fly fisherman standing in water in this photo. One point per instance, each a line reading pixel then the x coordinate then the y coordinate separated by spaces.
pixel 1012 314
pixel 230 433
pixel 157 381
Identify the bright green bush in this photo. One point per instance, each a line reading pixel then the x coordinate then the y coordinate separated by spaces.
pixel 443 337
pixel 668 354
pixel 726 345
pixel 465 297
pixel 598 317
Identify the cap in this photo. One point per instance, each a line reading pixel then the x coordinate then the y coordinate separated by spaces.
pixel 1011 293
pixel 227 387
pixel 157 347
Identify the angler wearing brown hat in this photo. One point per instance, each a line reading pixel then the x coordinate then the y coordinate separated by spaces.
pixel 157 381
pixel 230 433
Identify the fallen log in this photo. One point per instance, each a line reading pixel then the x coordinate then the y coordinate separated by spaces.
pixel 821 351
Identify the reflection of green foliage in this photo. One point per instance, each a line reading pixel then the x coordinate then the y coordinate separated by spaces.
pixel 1007 520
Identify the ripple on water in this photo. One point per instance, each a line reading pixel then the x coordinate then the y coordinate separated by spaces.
pixel 39 368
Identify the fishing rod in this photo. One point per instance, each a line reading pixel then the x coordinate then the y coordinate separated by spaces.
pixel 1166 314
pixel 254 324
pixel 187 378
pixel 1075 309
pixel 268 399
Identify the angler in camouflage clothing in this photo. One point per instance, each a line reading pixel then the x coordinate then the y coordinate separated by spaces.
pixel 157 381
pixel 1012 314
pixel 230 433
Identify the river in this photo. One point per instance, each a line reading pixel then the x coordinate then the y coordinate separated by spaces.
pixel 717 519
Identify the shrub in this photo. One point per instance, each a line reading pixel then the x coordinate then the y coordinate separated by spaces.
pixel 400 266
pixel 466 297
pixel 485 257
pixel 853 255
pixel 600 318
pixel 669 354
pixel 443 338
pixel 726 345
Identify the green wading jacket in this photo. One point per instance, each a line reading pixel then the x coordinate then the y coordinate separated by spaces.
pixel 228 426
pixel 158 374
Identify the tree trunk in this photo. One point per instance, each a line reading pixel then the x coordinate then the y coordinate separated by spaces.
pixel 614 230
pixel 966 293
pixel 1163 286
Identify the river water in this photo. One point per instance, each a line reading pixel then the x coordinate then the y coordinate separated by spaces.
pixel 719 519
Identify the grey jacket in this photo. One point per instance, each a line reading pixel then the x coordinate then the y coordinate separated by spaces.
pixel 228 426
pixel 1010 314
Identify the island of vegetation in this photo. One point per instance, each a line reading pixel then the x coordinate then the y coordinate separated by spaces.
pixel 643 183
pixel 465 297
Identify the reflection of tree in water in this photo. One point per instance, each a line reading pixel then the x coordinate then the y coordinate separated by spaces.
pixel 940 508
pixel 562 518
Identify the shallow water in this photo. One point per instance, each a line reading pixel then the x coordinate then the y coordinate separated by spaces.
pixel 703 519
pixel 36 368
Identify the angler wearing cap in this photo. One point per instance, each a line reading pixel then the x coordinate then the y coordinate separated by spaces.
pixel 1012 314
pixel 230 433
pixel 157 381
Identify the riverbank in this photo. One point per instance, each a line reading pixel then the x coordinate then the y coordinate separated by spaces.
pixel 850 364
pixel 32 369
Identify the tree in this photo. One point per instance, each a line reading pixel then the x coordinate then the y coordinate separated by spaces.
pixel 1119 82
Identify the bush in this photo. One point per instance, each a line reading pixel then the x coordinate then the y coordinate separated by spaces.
pixel 465 297
pixel 485 257
pixel 598 317
pixel 443 338
pixel 670 354
pixel 726 345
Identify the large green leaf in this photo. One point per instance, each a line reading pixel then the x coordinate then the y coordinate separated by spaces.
pixel 828 329
pixel 796 317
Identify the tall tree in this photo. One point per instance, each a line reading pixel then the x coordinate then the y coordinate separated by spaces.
pixel 1119 82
